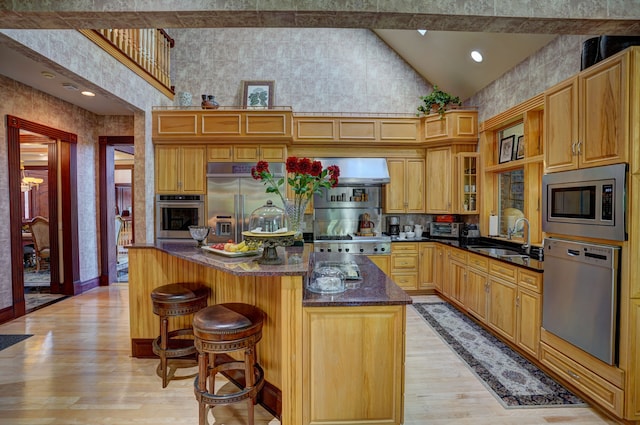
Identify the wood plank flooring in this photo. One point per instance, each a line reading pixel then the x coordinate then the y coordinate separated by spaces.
pixel 77 369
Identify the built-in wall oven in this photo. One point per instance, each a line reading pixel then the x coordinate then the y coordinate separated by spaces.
pixel 589 202
pixel 174 215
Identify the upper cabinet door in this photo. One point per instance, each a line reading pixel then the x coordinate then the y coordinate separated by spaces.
pixel 561 115
pixel 439 180
pixel 586 118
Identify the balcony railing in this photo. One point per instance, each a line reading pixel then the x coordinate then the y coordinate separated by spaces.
pixel 147 52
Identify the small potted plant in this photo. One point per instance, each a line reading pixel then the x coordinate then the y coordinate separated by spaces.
pixel 437 101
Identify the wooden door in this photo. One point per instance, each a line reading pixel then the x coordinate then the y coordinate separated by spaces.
pixel 439 267
pixel 476 293
pixel 426 272
pixel 502 307
pixel 395 190
pixel 603 114
pixel 529 321
pixel 414 185
pixel 439 180
pixel 167 169
pixel 457 281
pixel 561 126
pixel 193 170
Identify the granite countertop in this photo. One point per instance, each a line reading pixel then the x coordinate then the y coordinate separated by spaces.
pixel 530 263
pixel 374 287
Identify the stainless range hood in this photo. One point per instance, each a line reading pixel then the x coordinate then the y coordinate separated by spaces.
pixel 359 171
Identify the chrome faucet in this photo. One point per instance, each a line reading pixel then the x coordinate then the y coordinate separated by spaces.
pixel 527 242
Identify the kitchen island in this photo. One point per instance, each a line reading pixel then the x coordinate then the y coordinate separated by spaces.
pixel 327 358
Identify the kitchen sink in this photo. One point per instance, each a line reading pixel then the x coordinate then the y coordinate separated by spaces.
pixel 495 252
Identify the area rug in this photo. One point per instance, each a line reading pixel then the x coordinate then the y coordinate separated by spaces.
pixel 514 380
pixel 9 340
pixel 33 278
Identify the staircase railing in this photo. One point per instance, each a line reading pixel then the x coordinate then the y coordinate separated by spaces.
pixel 147 52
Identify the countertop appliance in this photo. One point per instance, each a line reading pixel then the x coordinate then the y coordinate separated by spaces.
pixel 174 215
pixel 588 202
pixel 445 230
pixel 232 195
pixel 580 298
pixel 393 225
pixel 338 215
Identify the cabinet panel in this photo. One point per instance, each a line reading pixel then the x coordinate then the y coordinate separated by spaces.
pixel 606 394
pixel 179 124
pixel 529 320
pixel 166 169
pixel 561 125
pixel 440 267
pixel 382 261
pixel 405 193
pixel 408 281
pixel 457 281
pixel 454 126
pixel 193 169
pixel 220 153
pixel 426 271
pixel 374 359
pixel 439 180
pixel 502 307
pixel 475 298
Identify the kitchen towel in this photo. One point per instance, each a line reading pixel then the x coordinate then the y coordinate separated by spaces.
pixel 493 225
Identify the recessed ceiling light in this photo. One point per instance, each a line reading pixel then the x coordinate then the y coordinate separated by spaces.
pixel 69 86
pixel 476 56
pixel 47 74
pixel 88 93
pixel 422 32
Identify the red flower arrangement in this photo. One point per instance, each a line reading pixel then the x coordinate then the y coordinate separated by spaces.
pixel 305 177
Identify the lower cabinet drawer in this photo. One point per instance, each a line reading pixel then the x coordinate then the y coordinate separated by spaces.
pixel 605 393
pixel 406 280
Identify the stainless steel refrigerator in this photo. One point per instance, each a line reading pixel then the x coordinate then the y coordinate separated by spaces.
pixel 232 195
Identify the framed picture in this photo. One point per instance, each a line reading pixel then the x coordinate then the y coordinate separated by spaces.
pixel 257 94
pixel 518 152
pixel 506 149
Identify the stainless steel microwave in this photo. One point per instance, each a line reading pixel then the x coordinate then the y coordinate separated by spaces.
pixel 589 202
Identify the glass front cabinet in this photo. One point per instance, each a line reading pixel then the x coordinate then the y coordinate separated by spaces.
pixel 468 199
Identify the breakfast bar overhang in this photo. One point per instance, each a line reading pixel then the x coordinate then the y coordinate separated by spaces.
pixel 327 358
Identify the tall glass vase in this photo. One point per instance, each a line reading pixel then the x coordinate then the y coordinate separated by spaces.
pixel 294 208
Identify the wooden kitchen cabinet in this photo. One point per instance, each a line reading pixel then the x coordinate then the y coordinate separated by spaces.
pixel 440 180
pixel 440 268
pixel 405 193
pixel 247 153
pixel 382 261
pixel 353 351
pixel 426 268
pixel 180 169
pixel 457 275
pixel 476 299
pixel 586 117
pixel 468 183
pixel 404 264
pixel 448 170
pixel 529 317
pixel 501 314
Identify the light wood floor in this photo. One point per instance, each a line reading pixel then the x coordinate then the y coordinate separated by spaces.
pixel 76 369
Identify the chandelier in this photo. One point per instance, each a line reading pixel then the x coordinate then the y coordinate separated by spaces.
pixel 28 183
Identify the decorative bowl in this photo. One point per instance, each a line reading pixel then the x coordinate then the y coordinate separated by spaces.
pixel 199 233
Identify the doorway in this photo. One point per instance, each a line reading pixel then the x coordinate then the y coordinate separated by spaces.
pixel 61 202
pixel 116 206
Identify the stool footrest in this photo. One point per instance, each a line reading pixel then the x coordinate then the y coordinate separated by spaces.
pixel 243 394
pixel 175 347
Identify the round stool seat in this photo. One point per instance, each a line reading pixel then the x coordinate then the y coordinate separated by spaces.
pixel 177 299
pixel 224 328
pixel 226 322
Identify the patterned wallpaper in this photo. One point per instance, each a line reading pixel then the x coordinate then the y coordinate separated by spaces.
pixel 315 70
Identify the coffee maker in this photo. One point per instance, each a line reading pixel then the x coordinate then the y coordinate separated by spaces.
pixel 393 225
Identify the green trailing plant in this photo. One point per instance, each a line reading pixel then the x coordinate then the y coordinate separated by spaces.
pixel 437 101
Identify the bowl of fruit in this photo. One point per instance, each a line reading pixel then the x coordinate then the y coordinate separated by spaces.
pixel 231 249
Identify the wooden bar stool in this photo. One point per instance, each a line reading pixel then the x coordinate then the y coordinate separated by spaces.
pixel 225 328
pixel 175 300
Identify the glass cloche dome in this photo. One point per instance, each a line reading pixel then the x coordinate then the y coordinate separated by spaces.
pixel 268 219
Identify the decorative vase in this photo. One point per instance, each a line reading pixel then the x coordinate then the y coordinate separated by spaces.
pixel 184 98
pixel 294 208
pixel 205 103
pixel 212 101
